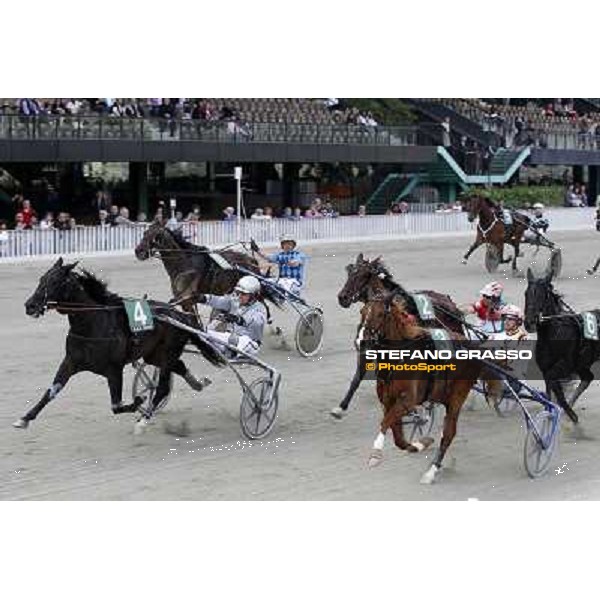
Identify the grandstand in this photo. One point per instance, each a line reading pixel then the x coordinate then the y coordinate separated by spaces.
pixel 447 146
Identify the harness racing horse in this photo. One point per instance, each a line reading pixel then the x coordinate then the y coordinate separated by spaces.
pixel 561 348
pixel 492 231
pixel 387 319
pixel 369 279
pixel 193 270
pixel 100 339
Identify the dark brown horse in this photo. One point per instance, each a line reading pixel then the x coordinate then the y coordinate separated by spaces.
pixel 100 340
pixel 196 269
pixel 492 231
pixel 388 319
pixel 368 279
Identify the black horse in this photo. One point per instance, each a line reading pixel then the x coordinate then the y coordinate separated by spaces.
pixel 196 269
pixel 561 350
pixel 100 339
pixel 369 279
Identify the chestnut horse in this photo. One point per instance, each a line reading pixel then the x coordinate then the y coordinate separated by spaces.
pixel 492 231
pixel 387 319
pixel 368 279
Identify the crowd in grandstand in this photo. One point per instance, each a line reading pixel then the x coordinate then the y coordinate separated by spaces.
pixel 554 124
pixel 271 110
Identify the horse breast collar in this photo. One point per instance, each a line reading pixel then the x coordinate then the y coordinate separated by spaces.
pixel 485 231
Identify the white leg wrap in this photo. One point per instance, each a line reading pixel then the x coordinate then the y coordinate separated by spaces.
pixel 53 390
pixel 379 442
pixel 419 446
pixel 429 477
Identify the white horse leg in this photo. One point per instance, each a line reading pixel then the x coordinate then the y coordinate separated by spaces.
pixel 377 452
pixel 429 477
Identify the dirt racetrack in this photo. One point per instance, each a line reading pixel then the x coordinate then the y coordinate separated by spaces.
pixel 77 450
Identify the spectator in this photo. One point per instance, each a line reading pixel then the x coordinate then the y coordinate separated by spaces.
pixel 159 215
pixel 72 223
pixel 446 132
pixel 142 218
pixel 20 222
pixel 229 214
pixel 259 215
pixel 103 218
pixel 28 213
pixel 179 216
pixel 123 217
pixel 362 211
pixel 268 212
pixel 287 214
pixel 47 222
pixel 298 214
pixel 113 215
pixel 63 223
pixel 583 196
pixel 328 211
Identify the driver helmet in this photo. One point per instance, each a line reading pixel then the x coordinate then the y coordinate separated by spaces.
pixel 493 290
pixel 248 285
pixel 512 312
pixel 287 237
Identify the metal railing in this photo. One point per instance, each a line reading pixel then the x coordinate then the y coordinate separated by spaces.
pixel 46 127
pixel 106 240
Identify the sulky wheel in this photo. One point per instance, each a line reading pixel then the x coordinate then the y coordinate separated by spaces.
pixel 257 411
pixel 420 422
pixel 309 332
pixel 492 258
pixel 538 452
pixel 145 383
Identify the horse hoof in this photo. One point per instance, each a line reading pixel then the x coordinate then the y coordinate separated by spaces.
pixel 590 272
pixel 21 424
pixel 422 444
pixel 338 413
pixel 376 458
pixel 180 429
pixel 140 427
pixel 429 477
pixel 463 262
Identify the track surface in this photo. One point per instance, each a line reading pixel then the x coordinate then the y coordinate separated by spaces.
pixel 78 450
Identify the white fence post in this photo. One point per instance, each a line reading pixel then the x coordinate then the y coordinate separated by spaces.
pixel 88 240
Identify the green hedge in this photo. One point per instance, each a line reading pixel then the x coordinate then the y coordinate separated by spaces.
pixel 524 196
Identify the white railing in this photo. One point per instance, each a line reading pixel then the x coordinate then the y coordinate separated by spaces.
pixel 93 240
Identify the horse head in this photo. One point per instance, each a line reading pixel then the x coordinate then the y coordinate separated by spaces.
pixel 154 238
pixel 51 288
pixel 540 299
pixel 361 276
pixel 473 204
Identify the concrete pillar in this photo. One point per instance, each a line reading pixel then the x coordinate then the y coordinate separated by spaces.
pixel 210 176
pixel 593 184
pixel 138 184
pixel 290 175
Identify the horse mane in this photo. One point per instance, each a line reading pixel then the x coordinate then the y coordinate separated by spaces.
pixel 184 244
pixel 382 269
pixel 412 329
pixel 96 288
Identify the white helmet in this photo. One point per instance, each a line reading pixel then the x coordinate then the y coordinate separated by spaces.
pixel 538 205
pixel 510 311
pixel 287 237
pixel 492 290
pixel 248 285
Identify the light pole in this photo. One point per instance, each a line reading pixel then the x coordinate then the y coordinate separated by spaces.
pixel 237 173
